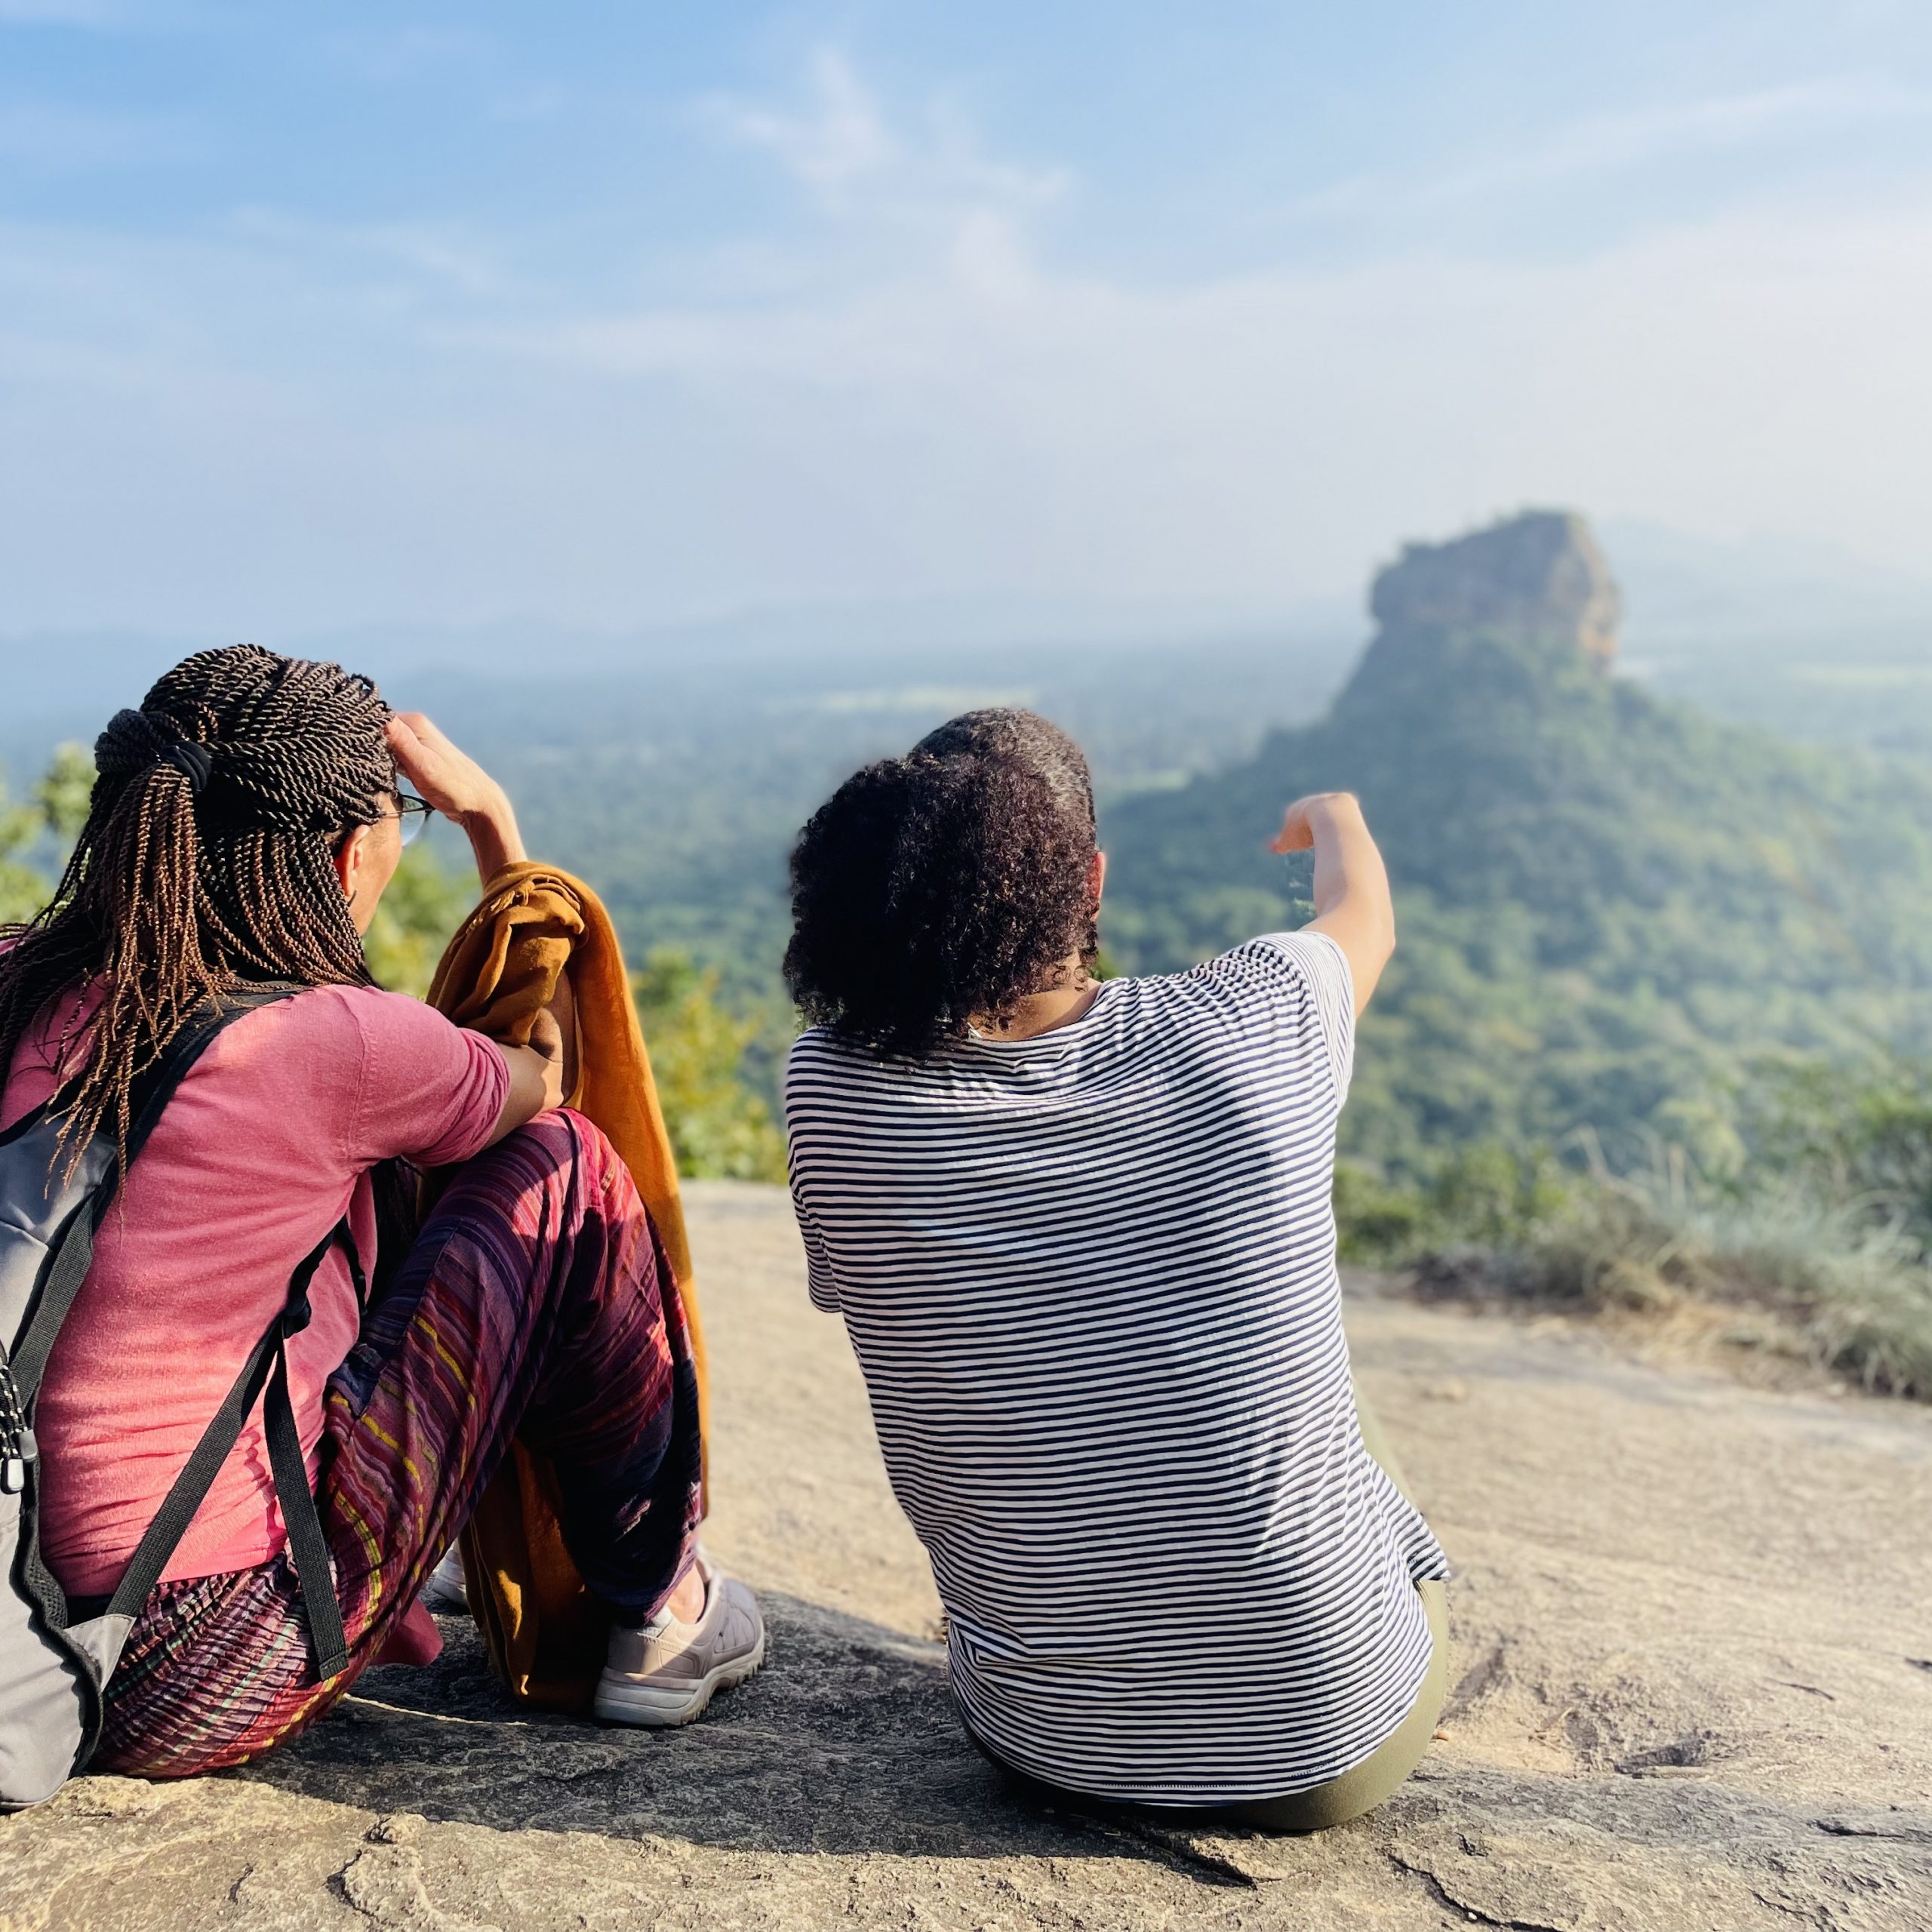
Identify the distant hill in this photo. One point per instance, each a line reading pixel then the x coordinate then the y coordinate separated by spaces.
pixel 1612 907
pixel 674 773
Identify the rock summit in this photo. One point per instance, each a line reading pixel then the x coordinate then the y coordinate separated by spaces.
pixel 1540 575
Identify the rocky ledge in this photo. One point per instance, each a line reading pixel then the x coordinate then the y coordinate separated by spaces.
pixel 1694 1673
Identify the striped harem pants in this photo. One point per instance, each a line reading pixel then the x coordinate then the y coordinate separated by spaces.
pixel 536 1302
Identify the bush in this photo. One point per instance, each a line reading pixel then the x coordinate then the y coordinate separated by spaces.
pixel 1376 1224
pixel 1826 1228
pixel 1487 1196
pixel 720 1128
pixel 36 837
pixel 1855 1294
pixel 424 905
pixel 1855 1136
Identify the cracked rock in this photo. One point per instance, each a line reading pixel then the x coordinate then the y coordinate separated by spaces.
pixel 1647 1561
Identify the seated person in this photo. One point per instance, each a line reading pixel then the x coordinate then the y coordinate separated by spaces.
pixel 243 826
pixel 1082 1238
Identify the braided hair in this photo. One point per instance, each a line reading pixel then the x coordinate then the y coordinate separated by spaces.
pixel 206 865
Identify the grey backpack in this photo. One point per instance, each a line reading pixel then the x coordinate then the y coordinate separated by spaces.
pixel 53 1669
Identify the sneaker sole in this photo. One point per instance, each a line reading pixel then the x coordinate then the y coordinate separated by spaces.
pixel 620 1701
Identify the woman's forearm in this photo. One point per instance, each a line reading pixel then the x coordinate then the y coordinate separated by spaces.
pixel 494 840
pixel 1352 902
pixel 1348 862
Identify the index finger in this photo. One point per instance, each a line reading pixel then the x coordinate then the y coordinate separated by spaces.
pixel 405 741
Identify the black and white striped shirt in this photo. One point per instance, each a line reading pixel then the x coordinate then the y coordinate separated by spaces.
pixel 1090 1279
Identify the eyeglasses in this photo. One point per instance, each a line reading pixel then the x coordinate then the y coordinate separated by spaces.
pixel 412 813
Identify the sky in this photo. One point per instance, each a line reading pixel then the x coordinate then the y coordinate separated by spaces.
pixel 619 315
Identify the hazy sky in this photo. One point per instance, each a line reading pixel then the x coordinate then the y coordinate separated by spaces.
pixel 614 313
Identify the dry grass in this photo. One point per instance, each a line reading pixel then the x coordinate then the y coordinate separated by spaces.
pixel 1856 1298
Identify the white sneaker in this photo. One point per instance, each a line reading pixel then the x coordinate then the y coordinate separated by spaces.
pixel 446 1590
pixel 665 1674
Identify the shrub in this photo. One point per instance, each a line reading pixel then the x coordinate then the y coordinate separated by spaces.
pixel 1485 1196
pixel 720 1128
pixel 1854 1293
pixel 424 905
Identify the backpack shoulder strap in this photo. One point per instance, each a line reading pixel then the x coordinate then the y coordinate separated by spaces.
pixel 321 1610
pixel 67 1268
pixel 152 1093
pixel 307 1545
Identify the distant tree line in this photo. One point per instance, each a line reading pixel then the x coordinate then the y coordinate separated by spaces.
pixel 720 1126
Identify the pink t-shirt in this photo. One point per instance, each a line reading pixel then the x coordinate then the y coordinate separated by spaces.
pixel 268 1141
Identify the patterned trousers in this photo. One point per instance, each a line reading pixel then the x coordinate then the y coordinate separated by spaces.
pixel 536 1302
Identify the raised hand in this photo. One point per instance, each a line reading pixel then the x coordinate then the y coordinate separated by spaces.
pixel 1297 832
pixel 452 782
pixel 1351 887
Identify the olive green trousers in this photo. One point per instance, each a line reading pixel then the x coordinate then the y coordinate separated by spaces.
pixel 1360 1788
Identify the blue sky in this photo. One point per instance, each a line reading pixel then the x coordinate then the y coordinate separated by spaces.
pixel 616 314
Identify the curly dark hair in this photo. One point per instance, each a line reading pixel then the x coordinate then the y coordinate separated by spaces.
pixel 948 884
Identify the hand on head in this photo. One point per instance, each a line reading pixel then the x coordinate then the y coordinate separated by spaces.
pixel 452 782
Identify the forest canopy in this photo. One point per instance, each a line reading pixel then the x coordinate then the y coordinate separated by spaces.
pixel 1615 913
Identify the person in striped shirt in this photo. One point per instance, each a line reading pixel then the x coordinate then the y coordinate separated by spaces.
pixel 1081 1236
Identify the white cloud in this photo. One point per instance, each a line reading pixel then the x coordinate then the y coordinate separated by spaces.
pixel 277 425
pixel 416 261
pixel 1251 431
pixel 842 144
pixel 1604 144
pixel 840 139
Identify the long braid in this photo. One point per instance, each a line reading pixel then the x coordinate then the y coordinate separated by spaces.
pixel 206 864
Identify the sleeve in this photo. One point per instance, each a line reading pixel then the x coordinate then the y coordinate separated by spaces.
pixel 1319 970
pixel 819 1282
pixel 431 1091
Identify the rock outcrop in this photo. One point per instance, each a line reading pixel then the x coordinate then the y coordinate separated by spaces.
pixel 1539 576
pixel 1692 1672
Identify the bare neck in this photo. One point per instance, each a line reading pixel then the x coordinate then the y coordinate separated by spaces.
pixel 1040 1013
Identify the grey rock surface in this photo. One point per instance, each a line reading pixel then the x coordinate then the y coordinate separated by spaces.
pixel 1539 575
pixel 1693 1669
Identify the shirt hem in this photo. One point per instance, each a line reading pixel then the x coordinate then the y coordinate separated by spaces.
pixel 1262 1791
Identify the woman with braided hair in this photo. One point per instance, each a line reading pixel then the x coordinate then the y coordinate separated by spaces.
pixel 244 823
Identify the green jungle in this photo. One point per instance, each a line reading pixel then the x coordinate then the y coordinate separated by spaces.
pixel 1659 1031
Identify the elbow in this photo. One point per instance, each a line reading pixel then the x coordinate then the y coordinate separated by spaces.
pixel 1382 944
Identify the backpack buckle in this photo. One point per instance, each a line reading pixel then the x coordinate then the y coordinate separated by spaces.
pixel 13 1467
